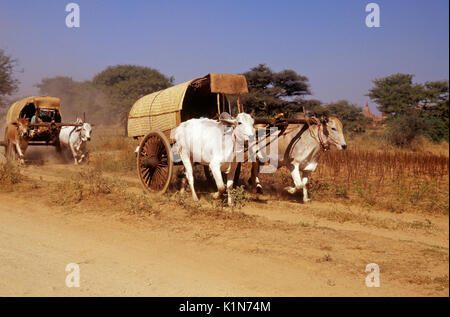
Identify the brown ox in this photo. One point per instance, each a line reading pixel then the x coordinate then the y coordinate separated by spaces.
pixel 299 148
pixel 17 136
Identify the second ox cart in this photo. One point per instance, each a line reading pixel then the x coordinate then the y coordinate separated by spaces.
pixel 44 117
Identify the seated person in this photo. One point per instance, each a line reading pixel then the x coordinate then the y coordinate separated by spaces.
pixel 35 119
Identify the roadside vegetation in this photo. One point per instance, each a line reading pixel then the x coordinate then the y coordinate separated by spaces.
pixel 400 164
pixel 370 173
pixel 10 175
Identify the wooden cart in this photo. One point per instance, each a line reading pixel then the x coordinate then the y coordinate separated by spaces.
pixel 45 128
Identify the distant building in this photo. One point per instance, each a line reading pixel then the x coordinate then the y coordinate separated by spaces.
pixel 376 119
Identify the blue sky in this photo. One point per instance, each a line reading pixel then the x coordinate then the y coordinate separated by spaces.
pixel 327 41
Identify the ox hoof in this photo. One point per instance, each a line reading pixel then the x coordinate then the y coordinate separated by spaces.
pixel 259 189
pixel 307 201
pixel 290 190
pixel 216 195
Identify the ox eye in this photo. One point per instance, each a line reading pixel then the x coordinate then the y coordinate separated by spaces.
pixel 334 129
pixel 239 122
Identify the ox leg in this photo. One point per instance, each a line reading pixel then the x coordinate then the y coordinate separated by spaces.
pixel 74 154
pixel 189 173
pixel 254 178
pixel 217 174
pixel 83 152
pixel 79 153
pixel 230 180
pixel 19 152
pixel 182 176
pixel 295 173
pixel 305 176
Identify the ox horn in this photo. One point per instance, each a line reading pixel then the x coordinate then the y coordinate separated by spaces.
pixel 227 119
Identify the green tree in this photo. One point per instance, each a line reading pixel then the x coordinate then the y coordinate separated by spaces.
pixel 271 92
pixel 350 115
pixel 413 109
pixel 397 94
pixel 8 84
pixel 124 84
pixel 403 128
pixel 435 110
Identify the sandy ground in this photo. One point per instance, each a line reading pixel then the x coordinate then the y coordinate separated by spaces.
pixel 270 248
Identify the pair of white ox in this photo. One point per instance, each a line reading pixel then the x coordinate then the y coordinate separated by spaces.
pixel 75 139
pixel 217 144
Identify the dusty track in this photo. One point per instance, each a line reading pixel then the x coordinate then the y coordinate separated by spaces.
pixel 275 248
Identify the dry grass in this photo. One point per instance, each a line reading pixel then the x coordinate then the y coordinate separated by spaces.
pixel 113 153
pixel 396 180
pixel 9 175
pixel 373 141
pixel 370 173
pixel 90 186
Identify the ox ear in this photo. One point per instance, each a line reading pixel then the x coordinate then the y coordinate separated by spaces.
pixel 229 122
pixel 252 113
pixel 226 119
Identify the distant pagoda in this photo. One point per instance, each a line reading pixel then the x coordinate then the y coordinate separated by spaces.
pixel 376 119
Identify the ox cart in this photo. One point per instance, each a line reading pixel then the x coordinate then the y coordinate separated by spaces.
pixel 153 116
pixel 44 122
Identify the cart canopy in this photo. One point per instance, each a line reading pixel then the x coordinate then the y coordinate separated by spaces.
pixel 27 107
pixel 165 109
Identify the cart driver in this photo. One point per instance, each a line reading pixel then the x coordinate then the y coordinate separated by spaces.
pixel 34 119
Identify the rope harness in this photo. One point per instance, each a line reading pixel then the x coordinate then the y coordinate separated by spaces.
pixel 319 137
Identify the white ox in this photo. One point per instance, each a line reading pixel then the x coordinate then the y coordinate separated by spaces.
pixel 215 144
pixel 75 139
pixel 299 148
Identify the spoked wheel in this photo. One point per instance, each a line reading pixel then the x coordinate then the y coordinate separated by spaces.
pixel 155 162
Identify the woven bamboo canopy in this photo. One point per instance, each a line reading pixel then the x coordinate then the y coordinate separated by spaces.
pixel 43 102
pixel 165 109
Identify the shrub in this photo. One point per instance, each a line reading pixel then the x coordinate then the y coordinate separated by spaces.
pixel 140 204
pixel 9 174
pixel 402 129
pixel 239 196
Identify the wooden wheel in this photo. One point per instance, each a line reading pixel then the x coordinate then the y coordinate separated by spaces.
pixel 155 162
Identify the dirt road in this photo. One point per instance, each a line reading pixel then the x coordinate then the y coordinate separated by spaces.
pixel 270 248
